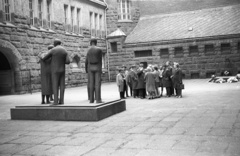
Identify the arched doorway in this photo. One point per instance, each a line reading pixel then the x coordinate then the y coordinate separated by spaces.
pixel 5 75
pixel 10 61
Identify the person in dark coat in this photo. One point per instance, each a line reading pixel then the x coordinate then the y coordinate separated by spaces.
pixel 46 82
pixel 59 57
pixel 157 80
pixel 125 73
pixel 177 80
pixel 93 66
pixel 141 83
pixel 167 82
pixel 132 80
pixel 120 83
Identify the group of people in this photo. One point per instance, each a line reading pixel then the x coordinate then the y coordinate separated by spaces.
pixel 145 82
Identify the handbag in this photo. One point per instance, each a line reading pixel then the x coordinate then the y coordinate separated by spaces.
pixel 181 86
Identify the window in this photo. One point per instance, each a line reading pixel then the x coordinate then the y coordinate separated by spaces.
pixel 113 47
pixel 225 48
pixel 143 53
pixel 78 20
pixel 7 10
pixel 40 13
pixel 124 10
pixel 164 52
pixel 96 24
pixel 65 14
pixel 31 12
pixel 76 62
pixel 72 19
pixel 66 17
pixel 91 23
pixel 178 51
pixel 209 49
pixel 100 26
pixel 238 47
pixel 193 50
pixel 49 13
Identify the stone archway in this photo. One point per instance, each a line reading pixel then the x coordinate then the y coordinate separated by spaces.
pixel 10 75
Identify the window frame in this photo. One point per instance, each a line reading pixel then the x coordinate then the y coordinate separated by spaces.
pixel 72 18
pixel 113 47
pixel 124 10
pixel 193 50
pixel 31 11
pixel 148 53
pixel 49 13
pixel 225 50
pixel 163 51
pixel 209 49
pixel 40 12
pixel 178 51
pixel 7 10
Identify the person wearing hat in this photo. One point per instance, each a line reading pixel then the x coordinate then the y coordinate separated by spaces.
pixel 125 71
pixel 141 83
pixel 59 57
pixel 93 66
pixel 46 82
pixel 177 80
pixel 166 80
pixel 132 80
pixel 120 82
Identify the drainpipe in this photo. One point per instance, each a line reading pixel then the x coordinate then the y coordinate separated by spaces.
pixel 109 76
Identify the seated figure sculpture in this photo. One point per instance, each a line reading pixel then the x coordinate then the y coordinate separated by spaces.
pixel 59 57
pixel 93 66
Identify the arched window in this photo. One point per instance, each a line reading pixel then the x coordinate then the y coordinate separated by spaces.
pixel 124 11
pixel 76 62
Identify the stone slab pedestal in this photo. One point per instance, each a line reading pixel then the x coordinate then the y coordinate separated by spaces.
pixel 84 112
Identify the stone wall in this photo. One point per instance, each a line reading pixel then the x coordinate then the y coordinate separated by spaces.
pixel 29 42
pixel 201 63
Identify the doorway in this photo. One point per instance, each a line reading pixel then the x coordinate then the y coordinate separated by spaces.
pixel 5 75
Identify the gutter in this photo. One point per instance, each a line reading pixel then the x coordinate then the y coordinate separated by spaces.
pixel 108 66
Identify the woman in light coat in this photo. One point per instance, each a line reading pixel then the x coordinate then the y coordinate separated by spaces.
pixel 120 83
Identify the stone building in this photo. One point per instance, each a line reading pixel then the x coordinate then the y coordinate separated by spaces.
pixel 27 27
pixel 204 42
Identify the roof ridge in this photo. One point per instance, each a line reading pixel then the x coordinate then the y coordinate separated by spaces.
pixel 189 12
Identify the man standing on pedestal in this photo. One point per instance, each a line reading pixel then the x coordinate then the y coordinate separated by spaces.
pixel 93 66
pixel 59 58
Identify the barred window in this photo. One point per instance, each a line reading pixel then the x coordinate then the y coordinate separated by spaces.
pixel 164 52
pixel 193 50
pixel 143 53
pixel 100 26
pixel 225 48
pixel 124 10
pixel 178 51
pixel 238 47
pixel 209 49
pixel 91 23
pixel 96 23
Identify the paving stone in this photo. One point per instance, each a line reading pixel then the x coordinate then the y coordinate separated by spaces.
pixel 13 148
pixel 220 132
pixel 100 152
pixel 200 131
pixel 35 150
pixel 149 152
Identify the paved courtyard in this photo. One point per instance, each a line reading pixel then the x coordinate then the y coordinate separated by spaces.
pixel 206 121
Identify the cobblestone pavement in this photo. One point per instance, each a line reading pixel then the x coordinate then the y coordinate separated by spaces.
pixel 205 122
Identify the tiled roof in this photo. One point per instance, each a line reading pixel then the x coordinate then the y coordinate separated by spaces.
pixel 185 25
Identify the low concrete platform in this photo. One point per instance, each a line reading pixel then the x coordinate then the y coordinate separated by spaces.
pixel 82 112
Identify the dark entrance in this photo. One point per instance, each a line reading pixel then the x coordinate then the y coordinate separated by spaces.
pixel 5 75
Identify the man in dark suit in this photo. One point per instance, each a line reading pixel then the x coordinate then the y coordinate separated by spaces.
pixel 93 66
pixel 59 58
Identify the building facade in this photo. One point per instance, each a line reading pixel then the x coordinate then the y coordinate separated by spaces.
pixel 27 27
pixel 204 42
